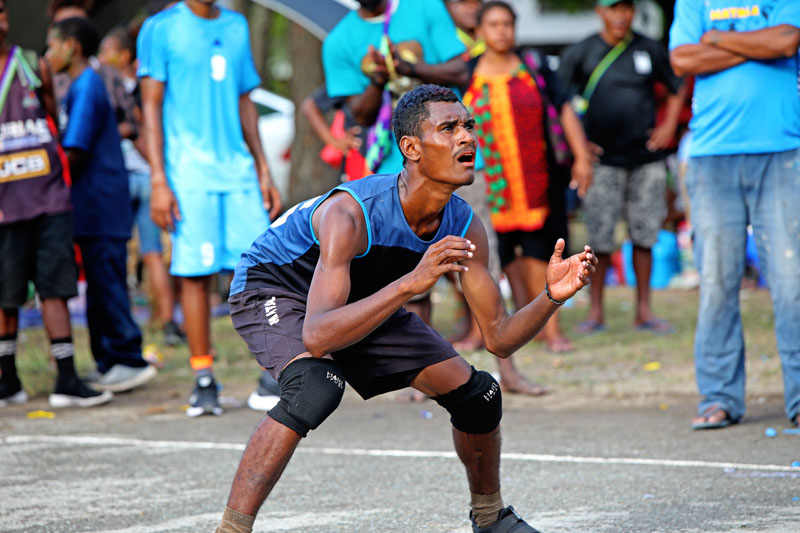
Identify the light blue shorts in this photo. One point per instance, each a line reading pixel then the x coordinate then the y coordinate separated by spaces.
pixel 215 229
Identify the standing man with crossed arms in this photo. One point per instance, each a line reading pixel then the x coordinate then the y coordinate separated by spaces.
pixel 744 168
pixel 211 186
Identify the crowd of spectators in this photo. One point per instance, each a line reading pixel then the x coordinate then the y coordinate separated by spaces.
pixel 152 128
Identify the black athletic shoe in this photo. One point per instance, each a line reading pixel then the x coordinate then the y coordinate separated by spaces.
pixel 173 336
pixel 267 395
pixel 72 392
pixel 204 398
pixel 508 521
pixel 11 392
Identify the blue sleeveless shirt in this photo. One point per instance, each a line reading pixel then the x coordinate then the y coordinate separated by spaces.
pixel 286 255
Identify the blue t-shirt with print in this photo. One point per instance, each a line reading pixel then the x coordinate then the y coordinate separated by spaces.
pixel 205 65
pixel 100 196
pixel 424 21
pixel 750 108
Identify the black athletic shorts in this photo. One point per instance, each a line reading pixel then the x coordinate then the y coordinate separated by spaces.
pixel 271 323
pixel 38 250
pixel 537 244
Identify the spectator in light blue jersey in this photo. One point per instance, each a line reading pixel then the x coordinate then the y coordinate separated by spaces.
pixel 744 168
pixel 211 186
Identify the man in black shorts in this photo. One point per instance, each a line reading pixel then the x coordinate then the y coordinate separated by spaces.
pixel 35 227
pixel 318 298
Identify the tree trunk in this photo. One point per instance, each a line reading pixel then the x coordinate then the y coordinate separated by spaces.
pixel 258 18
pixel 310 176
pixel 240 6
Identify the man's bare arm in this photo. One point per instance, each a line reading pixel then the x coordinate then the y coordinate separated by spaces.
pixel 661 136
pixel 48 97
pixel 248 116
pixel 691 59
pixel 365 106
pixel 75 159
pixel 770 43
pixel 504 334
pixel 331 323
pixel 582 170
pixel 453 72
pixel 152 110
pixel 163 206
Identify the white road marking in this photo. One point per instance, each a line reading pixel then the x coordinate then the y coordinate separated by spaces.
pixel 88 440
pixel 266 522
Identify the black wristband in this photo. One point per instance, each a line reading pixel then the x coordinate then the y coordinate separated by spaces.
pixel 547 292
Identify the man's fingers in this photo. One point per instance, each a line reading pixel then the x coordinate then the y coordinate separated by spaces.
pixel 161 218
pixel 452 267
pixel 590 255
pixel 452 241
pixel 276 208
pixel 558 250
pixel 451 255
pixel 158 221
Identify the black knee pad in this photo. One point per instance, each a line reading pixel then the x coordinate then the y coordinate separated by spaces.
pixel 311 390
pixel 476 406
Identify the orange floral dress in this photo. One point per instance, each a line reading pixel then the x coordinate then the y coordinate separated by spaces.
pixel 509 117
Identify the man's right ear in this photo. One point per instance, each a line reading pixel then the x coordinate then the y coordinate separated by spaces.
pixel 410 147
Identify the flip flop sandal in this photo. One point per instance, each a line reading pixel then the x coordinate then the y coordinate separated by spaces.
pixel 655 325
pixel 590 326
pixel 508 521
pixel 718 424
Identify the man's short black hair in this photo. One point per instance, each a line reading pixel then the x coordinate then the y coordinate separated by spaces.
pixel 411 110
pixel 82 30
pixel 496 3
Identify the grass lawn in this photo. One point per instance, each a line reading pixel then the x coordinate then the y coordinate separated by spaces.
pixel 615 364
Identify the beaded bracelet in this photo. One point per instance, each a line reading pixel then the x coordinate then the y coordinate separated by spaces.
pixel 547 292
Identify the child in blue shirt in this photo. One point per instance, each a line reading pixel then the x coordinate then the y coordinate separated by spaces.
pixel 101 207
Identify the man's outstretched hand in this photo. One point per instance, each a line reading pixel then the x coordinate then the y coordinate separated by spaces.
pixel 567 276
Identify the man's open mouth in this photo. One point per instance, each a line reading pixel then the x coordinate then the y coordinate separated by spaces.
pixel 467 157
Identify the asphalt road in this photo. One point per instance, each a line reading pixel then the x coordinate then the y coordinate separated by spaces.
pixel 139 465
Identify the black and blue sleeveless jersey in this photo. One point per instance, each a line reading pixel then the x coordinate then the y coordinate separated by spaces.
pixel 286 255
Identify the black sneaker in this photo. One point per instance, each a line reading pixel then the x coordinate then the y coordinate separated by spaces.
pixel 204 398
pixel 508 521
pixel 267 395
pixel 72 392
pixel 11 392
pixel 173 336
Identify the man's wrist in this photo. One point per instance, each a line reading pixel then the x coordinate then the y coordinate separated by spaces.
pixel 550 296
pixel 156 181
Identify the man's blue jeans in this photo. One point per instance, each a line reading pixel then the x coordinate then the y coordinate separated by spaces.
pixel 727 193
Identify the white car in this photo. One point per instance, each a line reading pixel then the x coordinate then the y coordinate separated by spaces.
pixel 276 128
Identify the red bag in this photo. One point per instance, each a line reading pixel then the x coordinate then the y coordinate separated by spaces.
pixel 330 155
